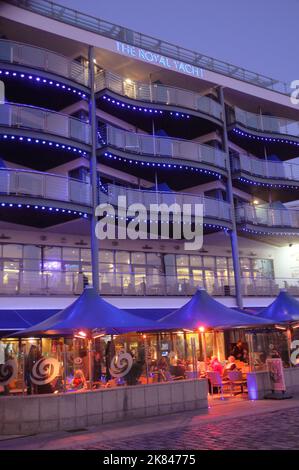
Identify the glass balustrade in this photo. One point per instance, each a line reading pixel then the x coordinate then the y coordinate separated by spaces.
pixel 156 93
pixel 37 119
pixel 43 185
pixel 265 124
pixel 267 216
pixel 266 168
pixel 43 59
pixel 144 144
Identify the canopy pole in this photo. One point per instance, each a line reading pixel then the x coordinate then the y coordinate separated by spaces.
pixel 289 340
pixel 90 368
pixel 64 366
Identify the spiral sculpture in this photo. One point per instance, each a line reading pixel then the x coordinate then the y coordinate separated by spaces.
pixel 44 371
pixel 121 364
pixel 8 371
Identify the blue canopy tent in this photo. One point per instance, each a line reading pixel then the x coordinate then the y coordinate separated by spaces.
pixel 89 312
pixel 285 308
pixel 161 187
pixel 203 311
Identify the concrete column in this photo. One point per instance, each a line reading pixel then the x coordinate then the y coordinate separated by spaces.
pixel 230 197
pixel 94 244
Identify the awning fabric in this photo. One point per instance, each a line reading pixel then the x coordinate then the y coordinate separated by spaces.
pixel 90 312
pixel 203 310
pixel 285 308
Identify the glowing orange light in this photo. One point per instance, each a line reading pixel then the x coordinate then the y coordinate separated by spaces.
pixel 144 336
pixel 201 329
pixel 82 333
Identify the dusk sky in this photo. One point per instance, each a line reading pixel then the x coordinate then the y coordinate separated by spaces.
pixel 261 35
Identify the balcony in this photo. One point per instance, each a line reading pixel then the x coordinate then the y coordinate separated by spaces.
pixel 268 220
pixel 280 129
pixel 56 283
pixel 39 120
pixel 41 59
pixel 265 172
pixel 177 151
pixel 158 94
pixel 32 184
pixel 213 209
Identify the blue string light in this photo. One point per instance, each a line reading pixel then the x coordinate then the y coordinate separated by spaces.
pixel 261 232
pixel 39 80
pixel 268 185
pixel 265 139
pixel 43 142
pixel 131 161
pixel 44 208
pixel 144 109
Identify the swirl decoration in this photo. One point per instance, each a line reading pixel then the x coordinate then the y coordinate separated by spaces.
pixel 78 361
pixel 121 364
pixel 44 371
pixel 8 371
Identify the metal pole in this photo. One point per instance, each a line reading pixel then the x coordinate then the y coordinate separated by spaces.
pixel 64 366
pixel 230 195
pixel 93 173
pixel 146 357
pixel 204 345
pixel 90 365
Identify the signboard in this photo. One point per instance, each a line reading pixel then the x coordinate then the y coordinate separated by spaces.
pixel 275 369
pixel 158 59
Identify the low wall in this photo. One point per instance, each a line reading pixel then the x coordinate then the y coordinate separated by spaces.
pixel 259 383
pixel 46 413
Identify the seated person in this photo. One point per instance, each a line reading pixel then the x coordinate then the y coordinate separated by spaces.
pixel 215 365
pixel 180 369
pixel 79 381
pixel 231 365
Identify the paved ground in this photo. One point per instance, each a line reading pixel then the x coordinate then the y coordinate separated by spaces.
pixel 235 424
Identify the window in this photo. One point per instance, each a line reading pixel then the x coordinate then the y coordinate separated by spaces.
pixel 138 258
pixel 209 262
pixel 153 259
pixel 195 261
pixel 52 253
pixel 122 257
pixel 70 254
pixel 182 260
pixel 85 254
pixel 12 251
pixel 106 257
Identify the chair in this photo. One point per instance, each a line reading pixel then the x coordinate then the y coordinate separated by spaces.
pixel 216 382
pixel 235 378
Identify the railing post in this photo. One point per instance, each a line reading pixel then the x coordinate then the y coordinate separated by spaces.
pixel 233 232
pixel 93 173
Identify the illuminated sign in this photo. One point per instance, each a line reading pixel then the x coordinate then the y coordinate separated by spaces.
pixel 158 59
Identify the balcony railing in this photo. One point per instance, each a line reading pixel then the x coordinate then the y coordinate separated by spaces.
pixel 50 283
pixel 44 185
pixel 155 93
pixel 143 144
pixel 265 168
pixel 212 208
pixel 267 216
pixel 119 33
pixel 266 124
pixel 42 59
pixel 41 120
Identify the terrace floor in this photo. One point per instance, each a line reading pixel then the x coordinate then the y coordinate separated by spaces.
pixel 233 423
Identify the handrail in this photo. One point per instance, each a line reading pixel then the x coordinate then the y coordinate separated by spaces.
pixel 265 168
pixel 212 207
pixel 267 216
pixel 119 33
pixel 57 282
pixel 145 144
pixel 44 185
pixel 157 93
pixel 265 123
pixel 44 120
pixel 43 59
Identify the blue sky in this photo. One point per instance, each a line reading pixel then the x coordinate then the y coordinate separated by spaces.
pixel 261 35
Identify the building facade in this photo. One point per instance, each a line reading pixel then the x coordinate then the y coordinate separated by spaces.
pixel 93 111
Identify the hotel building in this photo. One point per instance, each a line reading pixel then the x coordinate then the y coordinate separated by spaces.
pixel 94 110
